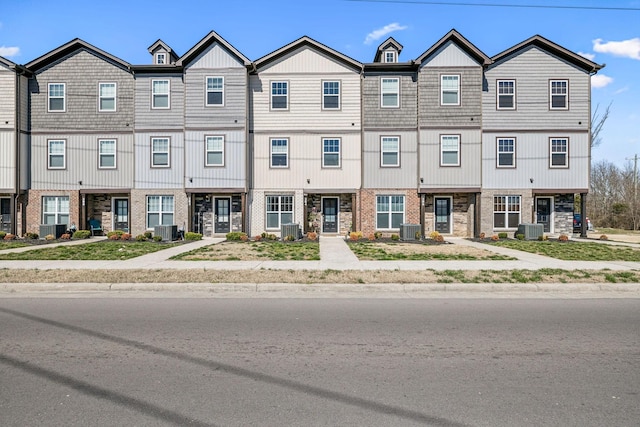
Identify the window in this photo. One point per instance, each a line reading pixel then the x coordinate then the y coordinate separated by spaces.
pixel 559 148
pixel 506 148
pixel 279 153
pixel 330 153
pixel 390 56
pixel 161 58
pixel 330 95
pixel 214 151
pixel 279 211
pixel 57 97
pixel 506 211
pixel 390 151
pixel 160 152
pixel 390 93
pixel 215 91
pixel 279 95
pixel 450 150
pixel 159 210
pixel 56 154
pixel 506 94
pixel 107 97
pixel 106 153
pixel 558 94
pixel 160 94
pixel 55 210
pixel 450 86
pixel 389 212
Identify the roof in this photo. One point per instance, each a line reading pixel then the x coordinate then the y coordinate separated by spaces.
pixel 160 44
pixel 70 47
pixel 207 41
pixel 458 39
pixel 552 48
pixel 307 41
pixel 384 45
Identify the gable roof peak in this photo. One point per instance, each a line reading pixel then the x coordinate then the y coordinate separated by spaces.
pixel 454 36
pixel 385 45
pixel 207 41
pixel 69 47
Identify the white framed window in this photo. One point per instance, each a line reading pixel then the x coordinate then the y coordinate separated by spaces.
pixel 214 147
pixel 558 94
pixel 390 92
pixel 161 58
pixel 279 211
pixel 331 95
pixel 159 210
pixel 390 151
pixel 55 210
pixel 330 152
pixel 160 94
pixel 279 153
pixel 389 212
pixel 57 154
pixel 450 150
pixel 506 152
pixel 215 91
pixel 57 98
pixel 107 97
pixel 559 152
pixel 279 95
pixel 506 94
pixel 106 153
pixel 389 56
pixel 506 212
pixel 160 152
pixel 450 89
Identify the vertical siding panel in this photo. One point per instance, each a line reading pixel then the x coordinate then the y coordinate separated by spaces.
pixel 7 162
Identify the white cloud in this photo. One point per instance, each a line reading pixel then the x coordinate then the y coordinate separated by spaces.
pixel 381 32
pixel 626 48
pixel 9 51
pixel 600 80
pixel 621 90
pixel 589 56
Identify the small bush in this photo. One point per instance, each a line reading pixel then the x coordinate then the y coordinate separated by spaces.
pixel 482 235
pixel 563 238
pixel 439 238
pixel 434 235
pixel 377 234
pixel 371 237
pixel 157 238
pixel 272 237
pixel 244 237
pixel 82 234
pixel 235 236
pixel 258 238
pixel 503 235
pixel 520 236
pixel 125 236
pixel 289 238
pixel 604 237
pixel 495 237
pixel 50 237
pixel 418 235
pixel 395 237
pixel 141 238
pixel 190 235
pixel 312 235
pixel 9 236
pixel 116 233
pixel 148 235
pixel 355 236
pixel 113 236
pixel 31 236
pixel 2 234
pixel 543 238
pixel 65 236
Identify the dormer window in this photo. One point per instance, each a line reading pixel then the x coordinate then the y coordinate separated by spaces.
pixel 161 58
pixel 390 56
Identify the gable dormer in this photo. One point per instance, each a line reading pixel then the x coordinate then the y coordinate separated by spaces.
pixel 162 53
pixel 388 52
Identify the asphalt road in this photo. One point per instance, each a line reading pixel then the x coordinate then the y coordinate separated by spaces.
pixel 319 362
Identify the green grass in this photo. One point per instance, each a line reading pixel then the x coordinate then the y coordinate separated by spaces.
pixel 377 252
pixel 573 251
pixel 247 251
pixel 103 250
pixel 11 244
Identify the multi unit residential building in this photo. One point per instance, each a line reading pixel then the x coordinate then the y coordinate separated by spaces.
pixel 454 141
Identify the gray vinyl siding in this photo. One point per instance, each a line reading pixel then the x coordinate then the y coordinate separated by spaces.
pixel 148 118
pixel 81 72
pixel 404 176
pixel 7 98
pixel 532 69
pixel 377 117
pixel 25 162
pixel 159 177
pixel 231 175
pixel 7 161
pixel 81 159
pixel 450 55
pixel 468 174
pixel 532 162
pixel 24 104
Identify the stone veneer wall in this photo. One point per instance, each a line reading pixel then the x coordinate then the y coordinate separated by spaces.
pixel 367 208
pixel 563 208
pixel 463 214
pixel 345 211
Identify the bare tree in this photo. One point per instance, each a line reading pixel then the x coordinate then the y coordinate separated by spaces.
pixel 597 123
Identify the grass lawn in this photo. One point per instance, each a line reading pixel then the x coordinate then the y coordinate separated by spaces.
pixel 109 250
pixel 11 244
pixel 254 251
pixel 573 251
pixel 392 251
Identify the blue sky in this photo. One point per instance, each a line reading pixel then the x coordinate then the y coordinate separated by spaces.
pixel 31 28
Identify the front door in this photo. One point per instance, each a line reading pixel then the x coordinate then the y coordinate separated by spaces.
pixel 121 217
pixel 443 214
pixel 5 214
pixel 222 215
pixel 330 215
pixel 543 212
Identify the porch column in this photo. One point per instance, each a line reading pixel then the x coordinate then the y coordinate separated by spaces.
pixel 583 214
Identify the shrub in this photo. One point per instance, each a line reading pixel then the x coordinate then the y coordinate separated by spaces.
pixel 116 233
pixel 190 235
pixel 563 238
pixel 604 237
pixel 439 238
pixel 65 236
pixel 543 238
pixel 371 237
pixel 157 238
pixel 50 237
pixel 114 236
pixel 312 235
pixel 434 235
pixel 258 238
pixel 9 236
pixel 355 235
pixel 148 235
pixel 272 237
pixel 244 237
pixel 395 237
pixel 482 235
pixel 495 237
pixel 125 236
pixel 2 234
pixel 418 235
pixel 520 236
pixel 235 235
pixel 141 238
pixel 377 234
pixel 31 235
pixel 82 234
pixel 503 235
pixel 289 238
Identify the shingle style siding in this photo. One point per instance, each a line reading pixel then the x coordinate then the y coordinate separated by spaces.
pixel 376 116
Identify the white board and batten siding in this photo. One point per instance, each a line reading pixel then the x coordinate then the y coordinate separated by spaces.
pixel 450 55
pixel 159 118
pixel 403 176
pixel 7 161
pixel 231 175
pixel 149 177
pixel 468 174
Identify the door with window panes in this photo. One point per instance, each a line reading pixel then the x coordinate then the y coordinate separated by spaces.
pixel 222 215
pixel 121 214
pixel 443 215
pixel 5 214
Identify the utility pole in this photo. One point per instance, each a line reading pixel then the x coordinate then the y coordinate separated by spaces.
pixel 635 188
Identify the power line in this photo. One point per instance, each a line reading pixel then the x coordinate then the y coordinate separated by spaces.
pixel 529 6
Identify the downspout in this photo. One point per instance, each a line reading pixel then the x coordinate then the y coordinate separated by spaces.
pixel 419 160
pixel 248 156
pixel 356 217
pixel 17 126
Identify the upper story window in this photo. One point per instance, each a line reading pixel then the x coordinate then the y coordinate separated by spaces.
pixel 107 97
pixel 161 58
pixel 558 94
pixel 450 89
pixel 330 95
pixel 279 153
pixel 450 150
pixel 215 91
pixel 279 95
pixel 160 152
pixel 214 151
pixel 160 94
pixel 56 153
pixel 390 92
pixel 506 148
pixel 506 94
pixel 107 154
pixel 390 151
pixel 559 150
pixel 57 97
pixel 390 56
pixel 330 153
